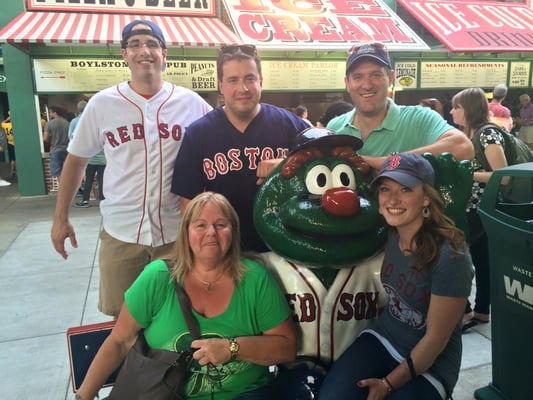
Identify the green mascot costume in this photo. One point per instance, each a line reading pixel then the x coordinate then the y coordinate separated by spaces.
pixel 317 214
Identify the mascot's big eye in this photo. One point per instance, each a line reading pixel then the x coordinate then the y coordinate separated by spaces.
pixel 343 175
pixel 318 180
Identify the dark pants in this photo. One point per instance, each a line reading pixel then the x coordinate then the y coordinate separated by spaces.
pixel 367 358
pixel 263 393
pixel 479 249
pixel 90 172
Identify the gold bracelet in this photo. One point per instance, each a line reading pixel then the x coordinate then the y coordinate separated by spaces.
pixel 387 384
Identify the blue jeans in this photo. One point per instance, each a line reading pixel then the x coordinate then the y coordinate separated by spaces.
pixel 57 159
pixel 367 358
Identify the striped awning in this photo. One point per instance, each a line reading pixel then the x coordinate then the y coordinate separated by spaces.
pixel 106 29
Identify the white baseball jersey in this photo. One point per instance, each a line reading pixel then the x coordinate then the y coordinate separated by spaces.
pixel 329 320
pixel 140 138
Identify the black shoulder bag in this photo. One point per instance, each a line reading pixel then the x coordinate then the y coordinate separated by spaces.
pixel 517 189
pixel 152 373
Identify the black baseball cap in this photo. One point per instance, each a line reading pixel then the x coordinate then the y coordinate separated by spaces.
pixel 408 169
pixel 154 31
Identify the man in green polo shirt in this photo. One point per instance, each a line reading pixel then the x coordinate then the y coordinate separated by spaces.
pixel 384 126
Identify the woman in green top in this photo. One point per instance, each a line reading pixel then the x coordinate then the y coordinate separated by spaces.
pixel 244 318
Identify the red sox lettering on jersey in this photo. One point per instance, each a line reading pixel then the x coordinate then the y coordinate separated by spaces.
pixel 141 138
pixel 330 319
pixel 127 133
pixel 237 159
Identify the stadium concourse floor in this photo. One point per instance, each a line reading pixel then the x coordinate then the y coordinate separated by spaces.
pixel 42 295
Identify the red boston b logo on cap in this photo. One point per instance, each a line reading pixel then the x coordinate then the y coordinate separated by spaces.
pixel 394 161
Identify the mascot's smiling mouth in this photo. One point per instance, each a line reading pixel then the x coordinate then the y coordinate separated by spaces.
pixel 305 215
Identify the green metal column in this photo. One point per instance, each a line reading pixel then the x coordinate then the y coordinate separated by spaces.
pixel 23 104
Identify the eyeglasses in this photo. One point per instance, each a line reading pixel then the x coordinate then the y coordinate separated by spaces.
pixel 249 49
pixel 376 45
pixel 137 44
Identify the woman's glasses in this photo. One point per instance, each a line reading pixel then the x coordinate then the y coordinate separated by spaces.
pixel 249 49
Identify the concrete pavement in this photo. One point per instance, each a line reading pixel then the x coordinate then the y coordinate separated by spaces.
pixel 42 295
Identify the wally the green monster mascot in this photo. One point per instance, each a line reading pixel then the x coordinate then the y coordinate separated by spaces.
pixel 319 217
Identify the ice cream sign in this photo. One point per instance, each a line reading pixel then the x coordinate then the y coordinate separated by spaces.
pixel 322 25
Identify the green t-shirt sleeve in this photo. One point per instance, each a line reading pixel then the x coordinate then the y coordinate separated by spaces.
pixel 146 295
pixel 271 306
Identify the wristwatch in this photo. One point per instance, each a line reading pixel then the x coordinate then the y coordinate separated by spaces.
pixel 77 397
pixel 234 348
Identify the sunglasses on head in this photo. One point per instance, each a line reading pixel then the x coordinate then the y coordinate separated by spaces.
pixel 376 45
pixel 244 48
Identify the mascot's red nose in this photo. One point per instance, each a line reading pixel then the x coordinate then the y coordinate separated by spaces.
pixel 340 202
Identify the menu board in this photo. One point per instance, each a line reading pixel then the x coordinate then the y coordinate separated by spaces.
pixel 91 75
pixel 303 75
pixel 519 75
pixel 461 74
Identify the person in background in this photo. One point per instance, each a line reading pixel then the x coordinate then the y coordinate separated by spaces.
pixel 434 104
pixel 301 111
pixel 499 114
pixel 243 317
pixel 3 146
pixel 139 125
pixel 384 126
pixel 95 166
pixel 56 133
pixel 74 122
pixel 526 120
pixel 7 125
pixel 334 110
pixel 446 108
pixel 413 350
pixel 231 149
pixel 80 106
pixel 471 111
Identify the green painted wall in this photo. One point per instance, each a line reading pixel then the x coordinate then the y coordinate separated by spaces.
pixel 23 105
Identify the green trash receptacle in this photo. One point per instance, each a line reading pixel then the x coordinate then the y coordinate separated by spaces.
pixel 506 211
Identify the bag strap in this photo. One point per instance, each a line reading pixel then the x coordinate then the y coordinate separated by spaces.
pixel 186 306
pixel 478 148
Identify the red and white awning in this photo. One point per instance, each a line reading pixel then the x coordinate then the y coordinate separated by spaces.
pixel 106 29
pixel 476 26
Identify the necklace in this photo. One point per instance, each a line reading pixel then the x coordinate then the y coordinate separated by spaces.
pixel 208 284
pixel 406 252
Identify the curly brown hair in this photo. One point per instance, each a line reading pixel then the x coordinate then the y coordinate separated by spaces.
pixel 436 228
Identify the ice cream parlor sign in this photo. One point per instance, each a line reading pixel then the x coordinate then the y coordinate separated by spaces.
pixel 320 24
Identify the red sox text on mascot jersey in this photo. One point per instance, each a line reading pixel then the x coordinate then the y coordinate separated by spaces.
pixel 140 138
pixel 329 320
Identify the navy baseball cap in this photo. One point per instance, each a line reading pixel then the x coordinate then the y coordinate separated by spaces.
pixel 374 51
pixel 407 169
pixel 154 31
pixel 312 137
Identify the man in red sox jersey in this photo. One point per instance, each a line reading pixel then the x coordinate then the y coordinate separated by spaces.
pixel 139 124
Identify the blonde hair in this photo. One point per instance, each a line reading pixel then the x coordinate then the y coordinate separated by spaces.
pixel 184 257
pixel 524 96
